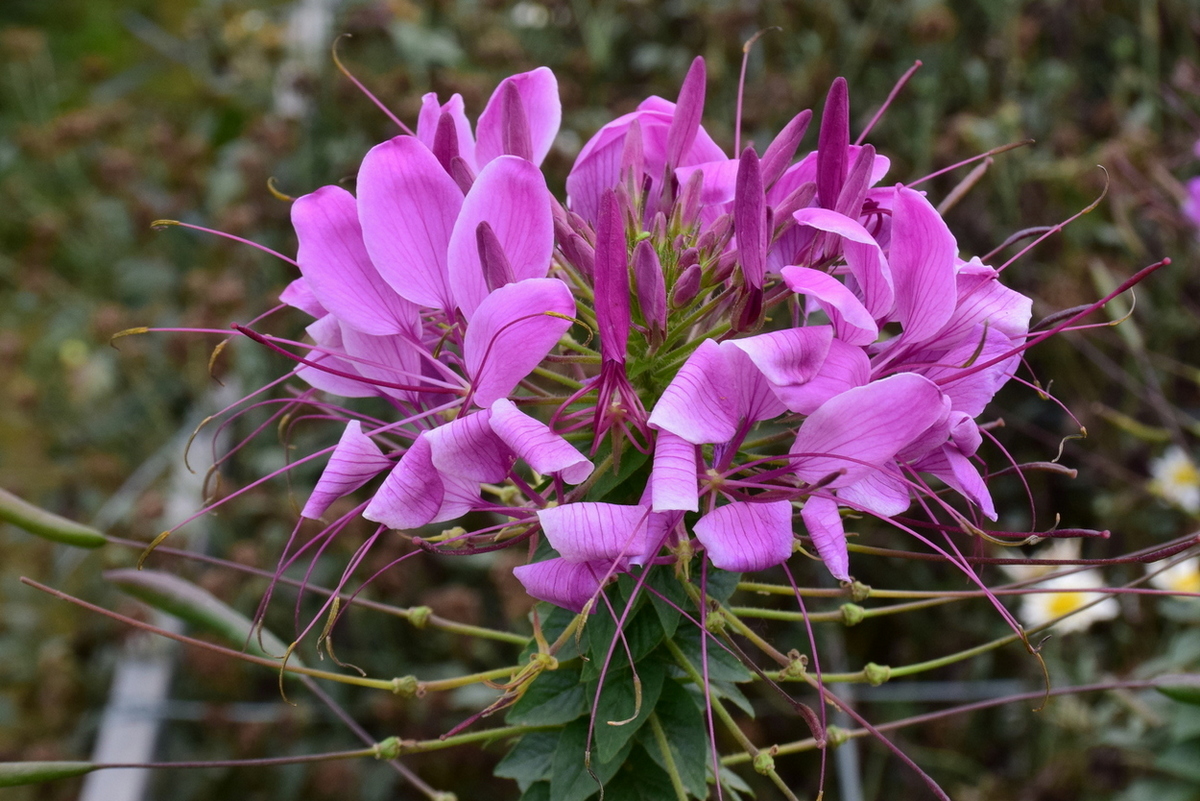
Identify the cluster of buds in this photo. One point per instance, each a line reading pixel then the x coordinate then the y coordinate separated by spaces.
pixel 696 351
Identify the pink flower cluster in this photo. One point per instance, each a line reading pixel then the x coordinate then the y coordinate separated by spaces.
pixel 779 338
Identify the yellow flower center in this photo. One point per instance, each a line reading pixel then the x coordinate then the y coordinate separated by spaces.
pixel 1063 603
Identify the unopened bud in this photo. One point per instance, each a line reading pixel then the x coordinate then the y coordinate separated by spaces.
pixel 689 199
pixel 651 286
pixel 580 254
pixel 687 286
pixel 688 257
pixel 461 172
pixel 835 736
pixel 853 614
pixel 764 762
pixel 860 592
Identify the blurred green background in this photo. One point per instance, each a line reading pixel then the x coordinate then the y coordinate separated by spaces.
pixel 114 113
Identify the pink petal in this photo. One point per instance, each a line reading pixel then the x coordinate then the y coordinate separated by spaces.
pixel 536 443
pixel 567 584
pixel 394 359
pixel 824 524
pixel 543 109
pixel 354 462
pixel 744 537
pixel 512 331
pixel 757 399
pixel 469 448
pixel 790 356
pixel 673 482
pixel 431 112
pixel 882 492
pixel 701 402
pixel 586 531
pixel 972 393
pixel 922 261
pixel 851 320
pixel 407 205
pixel 412 493
pixel 845 367
pixel 863 257
pixel 299 295
pixel 336 266
pixel 510 195
pixel 952 467
pixel 864 428
pixel 340 376
pixel 981 297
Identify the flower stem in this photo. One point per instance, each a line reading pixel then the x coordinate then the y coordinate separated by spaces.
pixel 660 738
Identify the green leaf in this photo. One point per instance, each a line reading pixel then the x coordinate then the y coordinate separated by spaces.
pixel 734 784
pixel 554 697
pixel 529 761
pixel 47 525
pixel 620 484
pixel 1183 687
pixel 15 774
pixel 722 583
pixel 643 633
pixel 570 780
pixel 179 597
pixel 683 724
pixel 731 692
pixel 538 791
pixel 662 578
pixel 722 665
pixel 640 779
pixel 618 702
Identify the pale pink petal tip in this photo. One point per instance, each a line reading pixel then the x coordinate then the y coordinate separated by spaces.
pixel 744 537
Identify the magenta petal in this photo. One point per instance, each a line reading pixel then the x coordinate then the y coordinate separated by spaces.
pixel 790 356
pixel 922 260
pixel 469 448
pixel 864 428
pixel 882 492
pixel 965 433
pixel 354 462
pixel 981 297
pixel 587 531
pixel 952 467
pixel 512 331
pixel 407 205
pixel 412 493
pixel 543 109
pixel 510 195
pixel 781 150
pixel 567 584
pixel 974 391
pixel 757 399
pixel 863 257
pixel 535 442
pixel 701 402
pixel 824 524
pixel 337 268
pixel 327 370
pixel 393 359
pixel 673 482
pixel 845 367
pixel 431 112
pixel 744 537
pixel 299 295
pixel 851 320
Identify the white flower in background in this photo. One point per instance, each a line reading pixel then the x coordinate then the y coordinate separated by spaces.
pixel 1063 550
pixel 1183 577
pixel 1175 478
pixel 1067 597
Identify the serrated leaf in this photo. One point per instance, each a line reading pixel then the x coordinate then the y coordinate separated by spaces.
pixel 722 665
pixel 617 703
pixel 553 698
pixel 16 774
pixel 640 779
pixel 687 736
pixel 570 780
pixel 530 759
pixel 179 597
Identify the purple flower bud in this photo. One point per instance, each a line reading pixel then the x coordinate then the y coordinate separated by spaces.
pixel 445 141
pixel 659 227
pixel 750 219
pixel 611 279
pixel 496 270
pixel 686 287
pixel 783 148
pixel 799 198
pixel 514 131
pixel 688 257
pixel 581 254
pixel 632 156
pixel 651 286
pixel 850 201
pixel 689 199
pixel 463 175
pixel 686 120
pixel 582 227
pixel 832 144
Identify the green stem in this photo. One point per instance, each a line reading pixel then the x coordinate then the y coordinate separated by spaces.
pixel 553 376
pixel 833 617
pixel 660 738
pixel 440 685
pixel 424 746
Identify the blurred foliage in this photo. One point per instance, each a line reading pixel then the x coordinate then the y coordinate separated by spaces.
pixel 114 113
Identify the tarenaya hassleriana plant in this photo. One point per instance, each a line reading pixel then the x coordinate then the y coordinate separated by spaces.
pixel 694 367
